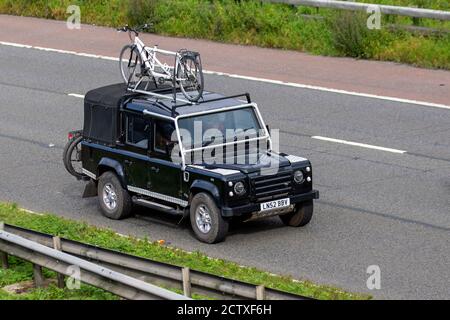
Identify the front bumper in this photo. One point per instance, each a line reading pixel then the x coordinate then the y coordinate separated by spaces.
pixel 255 207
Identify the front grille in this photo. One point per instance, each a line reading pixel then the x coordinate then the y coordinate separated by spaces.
pixel 271 187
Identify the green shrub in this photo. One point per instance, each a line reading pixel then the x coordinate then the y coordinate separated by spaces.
pixel 418 51
pixel 349 33
pixel 141 11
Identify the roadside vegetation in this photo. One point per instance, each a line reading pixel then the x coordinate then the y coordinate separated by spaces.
pixel 79 231
pixel 22 272
pixel 251 22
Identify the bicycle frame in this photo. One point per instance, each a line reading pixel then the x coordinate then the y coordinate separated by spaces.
pixel 150 61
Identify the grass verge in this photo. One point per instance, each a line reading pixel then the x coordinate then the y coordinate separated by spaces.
pixel 275 25
pixel 21 271
pixel 79 231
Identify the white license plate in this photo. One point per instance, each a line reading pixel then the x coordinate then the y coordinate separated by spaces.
pixel 276 204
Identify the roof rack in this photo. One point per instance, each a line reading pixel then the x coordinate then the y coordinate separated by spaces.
pixel 246 95
pixel 153 93
pixel 158 94
pixel 175 106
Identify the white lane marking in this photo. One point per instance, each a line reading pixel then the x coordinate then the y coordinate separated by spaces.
pixel 18 45
pixel 76 95
pixel 357 144
pixel 289 84
pixel 54 50
pixel 81 54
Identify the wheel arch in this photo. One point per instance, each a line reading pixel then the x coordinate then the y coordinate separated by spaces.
pixel 204 186
pixel 108 164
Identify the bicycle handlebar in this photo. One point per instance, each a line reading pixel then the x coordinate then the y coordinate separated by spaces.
pixel 135 30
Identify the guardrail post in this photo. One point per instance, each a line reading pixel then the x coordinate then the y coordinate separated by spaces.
pixel 3 255
pixel 4 259
pixel 38 276
pixel 415 20
pixel 57 246
pixel 186 273
pixel 260 293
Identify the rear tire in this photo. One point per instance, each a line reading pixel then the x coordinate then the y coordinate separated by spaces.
pixel 115 201
pixel 130 64
pixel 301 217
pixel 190 69
pixel 206 220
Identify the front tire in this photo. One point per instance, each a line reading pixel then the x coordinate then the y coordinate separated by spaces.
pixel 301 217
pixel 115 201
pixel 207 222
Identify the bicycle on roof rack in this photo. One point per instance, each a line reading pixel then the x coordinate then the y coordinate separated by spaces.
pixel 139 62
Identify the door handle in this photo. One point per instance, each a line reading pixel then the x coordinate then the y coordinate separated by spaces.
pixel 155 169
pixel 128 162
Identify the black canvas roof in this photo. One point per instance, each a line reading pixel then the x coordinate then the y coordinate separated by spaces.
pixel 107 96
pixel 112 95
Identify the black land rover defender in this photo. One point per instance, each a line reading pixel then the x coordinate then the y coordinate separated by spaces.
pixel 211 161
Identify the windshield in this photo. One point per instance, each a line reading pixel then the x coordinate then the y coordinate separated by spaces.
pixel 220 127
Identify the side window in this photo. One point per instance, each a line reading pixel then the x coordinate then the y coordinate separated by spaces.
pixel 163 135
pixel 138 132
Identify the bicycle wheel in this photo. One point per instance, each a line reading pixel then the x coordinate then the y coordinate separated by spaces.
pixel 130 63
pixel 72 157
pixel 190 77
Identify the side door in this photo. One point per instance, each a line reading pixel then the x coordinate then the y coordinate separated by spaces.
pixel 135 150
pixel 165 175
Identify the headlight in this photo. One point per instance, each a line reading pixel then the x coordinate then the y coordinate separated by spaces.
pixel 299 177
pixel 239 188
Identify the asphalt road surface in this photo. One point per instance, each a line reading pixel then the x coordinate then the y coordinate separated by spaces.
pixel 378 206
